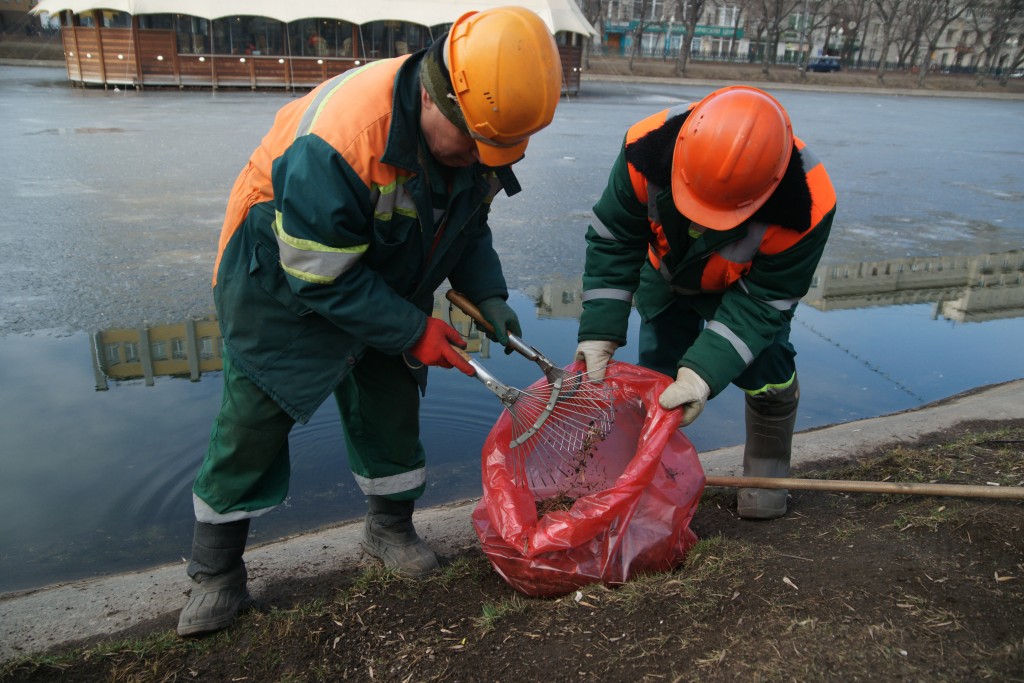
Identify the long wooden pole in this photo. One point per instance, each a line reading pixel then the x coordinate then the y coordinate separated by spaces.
pixel 914 489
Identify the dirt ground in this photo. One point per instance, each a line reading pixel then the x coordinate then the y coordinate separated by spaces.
pixel 848 585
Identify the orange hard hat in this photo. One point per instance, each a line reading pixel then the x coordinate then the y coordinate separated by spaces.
pixel 730 155
pixel 507 78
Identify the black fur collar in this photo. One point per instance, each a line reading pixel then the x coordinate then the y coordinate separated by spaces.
pixel 789 206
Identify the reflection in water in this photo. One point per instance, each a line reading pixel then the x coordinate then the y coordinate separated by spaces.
pixel 185 349
pixel 962 288
pixel 190 348
pixel 106 486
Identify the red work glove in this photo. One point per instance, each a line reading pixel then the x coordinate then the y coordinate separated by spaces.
pixel 435 347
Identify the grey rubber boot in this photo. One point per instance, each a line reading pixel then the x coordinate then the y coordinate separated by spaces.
pixel 390 536
pixel 769 446
pixel 218 576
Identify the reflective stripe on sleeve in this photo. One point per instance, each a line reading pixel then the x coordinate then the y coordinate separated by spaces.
pixel 737 344
pixel 777 304
pixel 608 293
pixel 318 103
pixel 312 261
pixel 601 229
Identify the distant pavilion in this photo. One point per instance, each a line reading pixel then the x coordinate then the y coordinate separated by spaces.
pixel 267 43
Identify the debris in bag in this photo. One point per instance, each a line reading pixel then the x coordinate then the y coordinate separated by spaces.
pixel 624 508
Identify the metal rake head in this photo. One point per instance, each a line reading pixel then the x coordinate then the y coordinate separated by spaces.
pixel 556 429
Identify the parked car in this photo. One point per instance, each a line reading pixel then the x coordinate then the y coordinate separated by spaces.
pixel 824 64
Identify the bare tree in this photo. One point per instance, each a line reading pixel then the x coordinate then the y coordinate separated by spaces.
pixel 858 15
pixel 909 31
pixel 692 10
pixel 815 16
pixel 890 13
pixel 775 14
pixel 943 13
pixel 638 34
pixel 997 24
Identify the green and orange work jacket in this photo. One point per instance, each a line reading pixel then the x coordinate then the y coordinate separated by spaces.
pixel 339 230
pixel 744 282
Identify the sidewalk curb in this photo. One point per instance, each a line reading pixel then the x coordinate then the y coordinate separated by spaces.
pixel 806 87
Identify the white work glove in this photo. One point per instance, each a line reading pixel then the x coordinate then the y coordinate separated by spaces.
pixel 689 391
pixel 596 353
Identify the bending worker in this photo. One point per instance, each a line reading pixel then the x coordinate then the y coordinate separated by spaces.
pixel 713 220
pixel 362 199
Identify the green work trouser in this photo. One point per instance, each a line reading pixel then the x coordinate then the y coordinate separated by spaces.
pixel 247 468
pixel 665 339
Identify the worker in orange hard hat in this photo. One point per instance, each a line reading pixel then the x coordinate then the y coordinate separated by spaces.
pixel 365 195
pixel 713 222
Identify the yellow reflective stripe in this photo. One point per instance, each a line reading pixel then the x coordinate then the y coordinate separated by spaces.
pixel 323 97
pixel 391 199
pixel 312 261
pixel 771 388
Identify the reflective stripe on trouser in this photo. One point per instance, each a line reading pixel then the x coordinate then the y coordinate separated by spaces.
pixel 665 339
pixel 379 403
pixel 246 469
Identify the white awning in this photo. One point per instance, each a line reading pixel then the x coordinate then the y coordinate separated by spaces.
pixel 559 15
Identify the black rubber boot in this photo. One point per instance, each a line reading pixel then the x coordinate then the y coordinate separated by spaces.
pixel 390 536
pixel 767 452
pixel 218 576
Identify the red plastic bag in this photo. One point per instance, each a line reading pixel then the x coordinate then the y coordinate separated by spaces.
pixel 644 483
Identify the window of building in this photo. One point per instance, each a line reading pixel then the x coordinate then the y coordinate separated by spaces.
pixel 248 36
pixel 158 350
pixel 193 34
pixel 116 19
pixel 178 349
pixel 131 352
pixel 323 38
pixel 206 348
pixel 113 353
pixel 727 15
pixel 392 38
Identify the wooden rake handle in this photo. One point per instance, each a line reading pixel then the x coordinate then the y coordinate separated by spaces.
pixel 515 343
pixel 914 489
pixel 469 308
